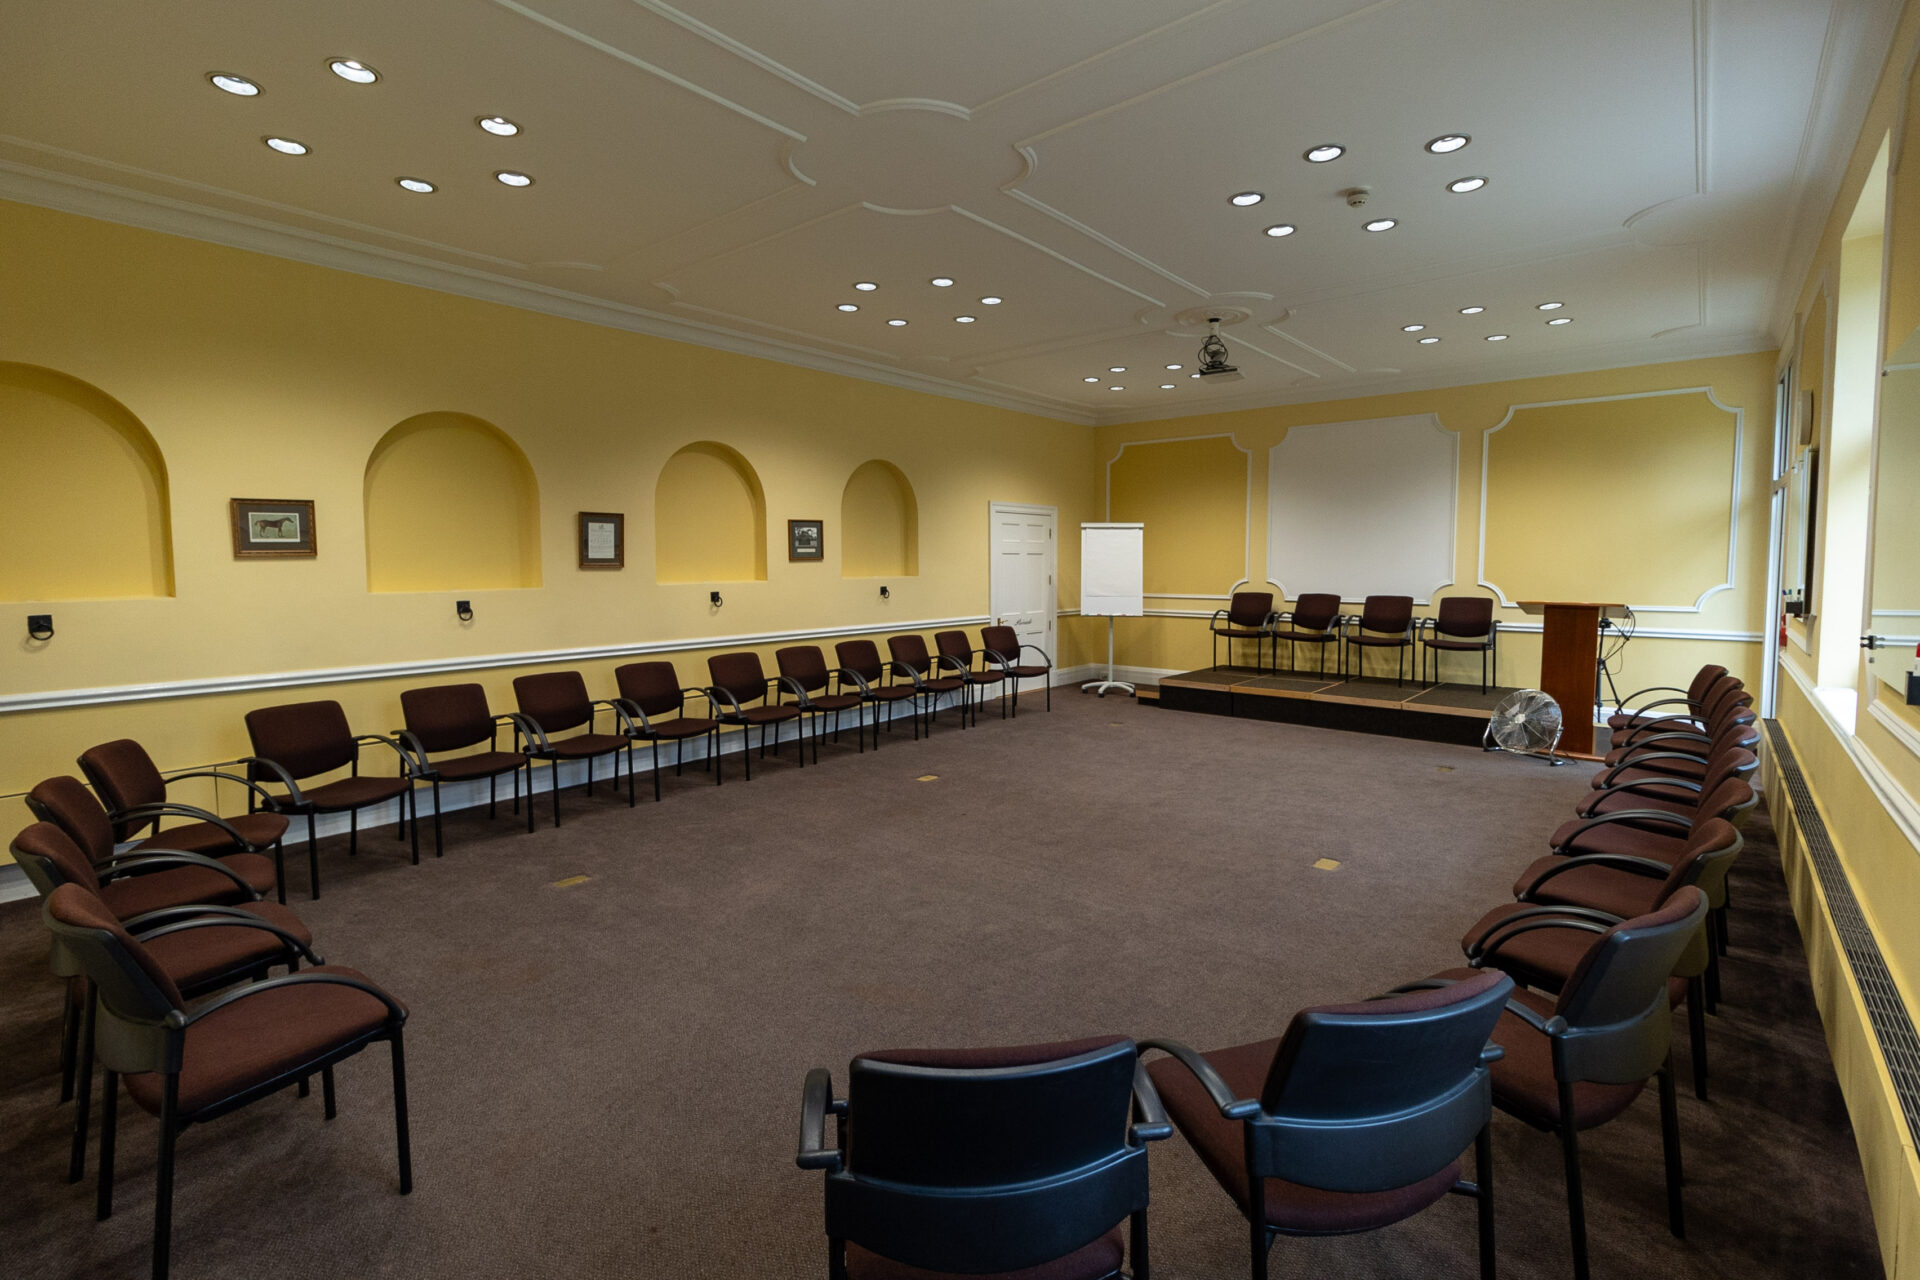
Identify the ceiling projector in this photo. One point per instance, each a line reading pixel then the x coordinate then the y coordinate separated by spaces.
pixel 1213 357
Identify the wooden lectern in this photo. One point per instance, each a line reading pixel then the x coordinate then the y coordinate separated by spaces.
pixel 1569 665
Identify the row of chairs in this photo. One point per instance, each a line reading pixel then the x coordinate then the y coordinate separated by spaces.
pixel 1001 1160
pixel 1463 624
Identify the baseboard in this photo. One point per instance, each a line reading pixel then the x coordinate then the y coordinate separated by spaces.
pixel 14 884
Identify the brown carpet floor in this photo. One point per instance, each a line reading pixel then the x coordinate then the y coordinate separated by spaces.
pixel 605 1078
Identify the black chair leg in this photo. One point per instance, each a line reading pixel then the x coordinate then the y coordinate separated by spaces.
pixel 313 861
pixel 1576 1204
pixel 1483 1179
pixel 326 1093
pixel 353 833
pixel 163 1178
pixel 656 766
pixel 83 1085
pixel 280 870
pixel 109 1116
pixel 1697 1034
pixel 1670 1143
pixel 553 780
pixel 401 1138
pixel 69 1044
pixel 1137 1258
pixel 439 845
pixel 410 805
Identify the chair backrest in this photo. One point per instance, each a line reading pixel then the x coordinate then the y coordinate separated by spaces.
pixel 1733 800
pixel 1615 1000
pixel 910 649
pixel 740 674
pixel 1250 608
pixel 1386 613
pixel 804 663
pixel 1725 763
pixel 987 1160
pixel 1465 617
pixel 50 858
pixel 124 777
pixel 1315 611
pixel 554 700
pixel 136 995
pixel 66 802
pixel 954 644
pixel 1004 641
pixel 1711 847
pixel 654 687
pixel 304 738
pixel 1378 1095
pixel 1703 681
pixel 447 717
pixel 862 657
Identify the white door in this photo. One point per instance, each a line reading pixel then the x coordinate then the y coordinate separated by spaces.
pixel 1020 581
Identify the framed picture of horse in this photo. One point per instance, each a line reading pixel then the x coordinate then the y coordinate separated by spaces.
pixel 272 527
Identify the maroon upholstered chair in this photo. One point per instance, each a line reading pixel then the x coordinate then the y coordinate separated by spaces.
pixel 860 662
pixel 454 717
pixel 135 794
pixel 1249 615
pixel 989 675
pixel 306 739
pixel 148 876
pixel 186 1066
pixel 1352 1120
pixel 1686 751
pixel 1384 622
pixel 1464 624
pixel 1004 643
pixel 911 659
pixel 1314 619
pixel 738 681
pixel 1666 793
pixel 552 703
pixel 656 706
pixel 806 666
pixel 1726 699
pixel 1691 701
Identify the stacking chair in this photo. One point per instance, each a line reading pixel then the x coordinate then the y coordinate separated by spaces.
pixel 805 665
pixel 555 701
pixel 1685 752
pixel 738 681
pixel 186 1066
pixel 1728 693
pixel 453 717
pixel 1249 615
pixel 860 661
pixel 1024 1162
pixel 1668 793
pixel 911 659
pixel 1633 712
pixel 989 675
pixel 305 739
pixel 1314 619
pixel 656 705
pixel 1464 624
pixel 130 785
pixel 1384 622
pixel 1004 643
pixel 1577 1061
pixel 1353 1119
pixel 149 875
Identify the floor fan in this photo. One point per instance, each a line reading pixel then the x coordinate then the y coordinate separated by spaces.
pixel 1527 722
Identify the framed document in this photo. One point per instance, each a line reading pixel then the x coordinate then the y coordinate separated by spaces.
pixel 603 540
pixel 806 540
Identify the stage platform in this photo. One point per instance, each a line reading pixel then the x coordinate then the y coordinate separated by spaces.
pixel 1434 713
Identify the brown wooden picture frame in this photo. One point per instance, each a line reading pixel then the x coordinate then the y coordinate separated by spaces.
pixel 594 550
pixel 806 540
pixel 273 528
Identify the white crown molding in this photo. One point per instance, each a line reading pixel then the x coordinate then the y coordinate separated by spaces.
pixel 1733 491
pixel 1246 550
pixel 14 704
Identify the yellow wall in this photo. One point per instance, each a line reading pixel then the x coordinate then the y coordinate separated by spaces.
pixel 879 522
pixel 451 505
pixel 1192 494
pixel 709 517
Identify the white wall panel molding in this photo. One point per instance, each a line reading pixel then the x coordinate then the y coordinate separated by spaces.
pixel 1900 806
pixel 1246 563
pixel 1365 508
pixel 12 704
pixel 1733 492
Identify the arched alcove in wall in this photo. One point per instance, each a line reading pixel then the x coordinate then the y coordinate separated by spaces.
pixel 451 504
pixel 709 517
pixel 83 497
pixel 879 523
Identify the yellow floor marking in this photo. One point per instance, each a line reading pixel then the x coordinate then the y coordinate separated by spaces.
pixel 928 777
pixel 1326 864
pixel 571 881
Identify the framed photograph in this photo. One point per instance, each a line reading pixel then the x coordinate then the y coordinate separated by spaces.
pixel 603 540
pixel 806 540
pixel 272 527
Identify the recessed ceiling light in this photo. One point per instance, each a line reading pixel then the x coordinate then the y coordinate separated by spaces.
pixel 1089 379
pixel 1550 306
pixel 963 319
pixel 1176 366
pixel 1471 311
pixel 1496 337
pixel 1448 142
pixel 1279 229
pixel 286 146
pixel 1116 388
pixel 1246 198
pixel 1116 368
pixel 419 186
pixel 1561 320
pixel 353 69
pixel 1193 375
pixel 238 86
pixel 1382 224
pixel 1411 328
pixel 897 323
pixel 513 179
pixel 1427 342
pixel 1166 386
pixel 498 126
pixel 848 306
pixel 941 282
pixel 1460 186
pixel 1324 152
pixel 989 301
pixel 865 286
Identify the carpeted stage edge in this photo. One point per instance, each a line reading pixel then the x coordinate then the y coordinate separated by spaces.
pixel 605 1078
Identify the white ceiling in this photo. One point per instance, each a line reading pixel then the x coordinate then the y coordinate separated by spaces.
pixel 724 170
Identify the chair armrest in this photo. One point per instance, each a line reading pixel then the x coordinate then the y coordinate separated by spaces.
pixel 395 1013
pixel 1554 1026
pixel 1642 786
pixel 1483 948
pixel 1046 658
pixel 620 718
pixel 121 864
pixel 406 761
pixel 898 668
pixel 1634 741
pixel 1615 861
pixel 1639 761
pixel 530 731
pixel 787 684
pixel 224 918
pixel 844 674
pixel 1150 1123
pixel 638 722
pixel 716 695
pixel 285 779
pixel 951 662
pixel 1680 821
pixel 1219 616
pixel 244 781
pixel 1231 1107
pixel 1627 707
pixel 816 1101
pixel 988 655
pixel 411 745
pixel 144 813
